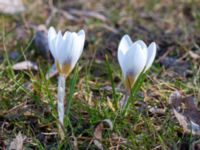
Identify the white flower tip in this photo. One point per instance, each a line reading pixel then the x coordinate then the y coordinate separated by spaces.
pixel 59 33
pixel 141 43
pixel 51 33
pixel 74 35
pixel 125 44
pixel 81 32
pixel 151 55
pixel 152 46
pixel 127 38
pixel 59 38
pixel 135 46
pixel 81 35
pixel 51 30
pixel 152 49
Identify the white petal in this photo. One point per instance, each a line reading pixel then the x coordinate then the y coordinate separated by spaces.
pixel 67 33
pixel 51 33
pixel 81 35
pixel 120 58
pixel 65 47
pixel 58 45
pixel 68 48
pixel 143 45
pixel 72 47
pixel 51 41
pixel 77 49
pixel 58 39
pixel 151 55
pixel 124 45
pixel 134 61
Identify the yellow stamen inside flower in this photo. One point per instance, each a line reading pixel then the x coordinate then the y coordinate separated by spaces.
pixel 129 81
pixel 64 69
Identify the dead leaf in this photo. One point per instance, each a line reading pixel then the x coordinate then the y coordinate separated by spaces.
pixel 186 112
pixel 118 142
pixel 17 143
pixel 123 100
pixel 98 129
pixel 194 55
pixel 109 88
pixel 182 120
pixel 25 65
pixel 98 144
pixel 157 111
pixel 11 6
pixel 110 104
pixel 52 72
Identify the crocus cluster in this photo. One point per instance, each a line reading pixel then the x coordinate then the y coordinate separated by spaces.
pixel 134 58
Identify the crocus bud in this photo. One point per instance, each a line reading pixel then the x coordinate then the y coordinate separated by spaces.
pixel 66 49
pixel 134 59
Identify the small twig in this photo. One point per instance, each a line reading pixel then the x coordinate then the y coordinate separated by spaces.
pixel 90 143
pixel 52 133
pixel 88 13
pixel 110 28
pixel 55 10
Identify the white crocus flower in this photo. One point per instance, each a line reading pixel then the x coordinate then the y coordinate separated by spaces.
pixel 66 50
pixel 134 59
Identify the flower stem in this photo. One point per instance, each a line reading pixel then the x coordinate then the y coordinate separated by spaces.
pixel 61 96
pixel 133 93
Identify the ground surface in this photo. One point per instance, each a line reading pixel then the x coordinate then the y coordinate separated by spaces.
pixel 28 100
